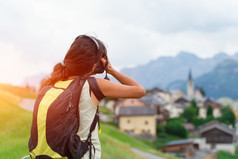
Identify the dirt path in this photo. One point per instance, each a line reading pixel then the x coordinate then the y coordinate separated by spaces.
pixel 27 104
pixel 145 154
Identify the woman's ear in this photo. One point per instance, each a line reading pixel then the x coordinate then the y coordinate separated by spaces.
pixel 94 66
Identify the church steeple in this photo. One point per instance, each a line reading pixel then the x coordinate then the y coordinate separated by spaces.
pixel 190 87
pixel 190 75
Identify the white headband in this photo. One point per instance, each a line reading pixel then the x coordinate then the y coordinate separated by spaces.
pixel 95 41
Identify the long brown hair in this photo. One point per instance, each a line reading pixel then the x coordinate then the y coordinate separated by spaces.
pixel 84 52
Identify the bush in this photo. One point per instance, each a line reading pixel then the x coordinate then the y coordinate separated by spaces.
pixel 176 128
pixel 227 117
pixel 160 129
pixel 196 121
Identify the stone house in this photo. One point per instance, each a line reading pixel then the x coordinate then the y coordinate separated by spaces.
pixel 138 120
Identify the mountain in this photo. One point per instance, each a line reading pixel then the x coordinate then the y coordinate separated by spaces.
pixel 164 70
pixel 220 82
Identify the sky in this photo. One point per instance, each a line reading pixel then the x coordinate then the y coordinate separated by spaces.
pixel 35 35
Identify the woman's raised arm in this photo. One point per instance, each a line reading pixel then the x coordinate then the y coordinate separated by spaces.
pixel 128 88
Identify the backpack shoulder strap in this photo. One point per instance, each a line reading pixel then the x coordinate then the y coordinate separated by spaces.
pixel 94 87
pixel 94 123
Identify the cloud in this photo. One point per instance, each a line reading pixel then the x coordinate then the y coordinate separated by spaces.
pixel 36 34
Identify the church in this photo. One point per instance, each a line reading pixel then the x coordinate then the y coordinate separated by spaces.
pixel 197 95
pixel 202 102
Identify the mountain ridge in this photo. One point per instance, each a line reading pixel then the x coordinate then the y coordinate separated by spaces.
pixel 220 82
pixel 164 70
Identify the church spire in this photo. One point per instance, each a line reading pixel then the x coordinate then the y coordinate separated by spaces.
pixel 190 87
pixel 190 75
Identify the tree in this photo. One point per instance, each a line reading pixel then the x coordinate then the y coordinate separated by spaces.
pixel 227 117
pixel 190 111
pixel 209 111
pixel 194 105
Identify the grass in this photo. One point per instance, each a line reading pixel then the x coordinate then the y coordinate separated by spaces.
pixel 16 122
pixel 109 131
pixel 15 126
pixel 164 138
pixel 225 155
pixel 19 91
pixel 105 110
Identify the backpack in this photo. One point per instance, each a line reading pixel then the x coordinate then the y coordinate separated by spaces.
pixel 56 122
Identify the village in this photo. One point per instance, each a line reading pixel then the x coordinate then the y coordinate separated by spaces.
pixel 188 125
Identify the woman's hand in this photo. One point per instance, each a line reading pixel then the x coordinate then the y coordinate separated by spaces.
pixel 109 68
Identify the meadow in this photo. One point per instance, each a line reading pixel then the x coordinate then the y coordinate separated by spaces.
pixel 15 124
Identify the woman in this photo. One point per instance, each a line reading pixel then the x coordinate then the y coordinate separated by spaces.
pixel 83 58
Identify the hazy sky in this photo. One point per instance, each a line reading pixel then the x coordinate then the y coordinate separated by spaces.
pixel 35 35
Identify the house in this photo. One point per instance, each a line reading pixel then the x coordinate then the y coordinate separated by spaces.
pixel 182 102
pixel 138 120
pixel 176 94
pixel 190 127
pixel 176 108
pixel 218 136
pixel 198 95
pixel 153 100
pixel 215 106
pixel 185 148
pixel 158 103
pixel 165 95
pixel 130 102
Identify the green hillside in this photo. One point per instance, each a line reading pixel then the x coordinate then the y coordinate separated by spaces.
pixel 16 122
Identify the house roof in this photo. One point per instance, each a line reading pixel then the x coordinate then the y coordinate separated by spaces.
pixel 182 100
pixel 156 90
pixel 216 124
pixel 137 111
pixel 153 100
pixel 129 102
pixel 189 126
pixel 179 142
pixel 212 103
